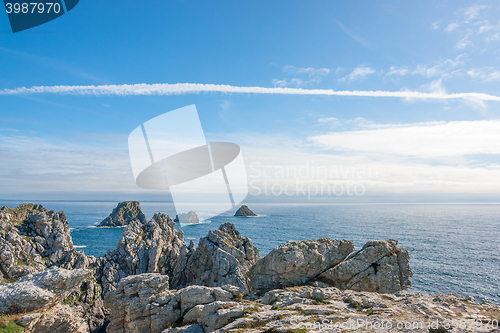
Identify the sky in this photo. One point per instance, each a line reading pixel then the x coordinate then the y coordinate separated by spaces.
pixel 365 101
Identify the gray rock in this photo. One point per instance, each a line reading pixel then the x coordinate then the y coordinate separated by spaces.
pixel 244 211
pixel 296 262
pixel 152 247
pixel 123 214
pixel 188 218
pixel 223 257
pixel 380 266
pixel 185 329
pixel 59 319
pixel 36 291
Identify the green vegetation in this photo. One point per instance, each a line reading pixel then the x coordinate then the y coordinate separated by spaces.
pixel 10 327
pixel 238 298
pixel 21 263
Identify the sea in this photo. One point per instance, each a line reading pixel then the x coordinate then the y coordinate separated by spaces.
pixel 454 248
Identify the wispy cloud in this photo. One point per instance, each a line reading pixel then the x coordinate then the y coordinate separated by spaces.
pixel 486 74
pixel 398 71
pixel 473 11
pixel 423 140
pixel 451 27
pixel 315 75
pixel 195 88
pixel 464 42
pixel 354 35
pixel 359 73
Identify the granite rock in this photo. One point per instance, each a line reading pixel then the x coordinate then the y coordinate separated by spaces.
pixel 123 214
pixel 297 262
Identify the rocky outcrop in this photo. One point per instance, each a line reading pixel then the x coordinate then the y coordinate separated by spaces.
pixel 187 218
pixel 296 262
pixel 39 290
pixel 244 211
pixel 380 266
pixel 223 257
pixel 151 247
pixel 40 240
pixel 123 214
pixel 59 319
pixel 143 303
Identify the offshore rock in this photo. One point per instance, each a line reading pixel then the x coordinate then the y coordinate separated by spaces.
pixel 380 266
pixel 123 214
pixel 244 211
pixel 223 257
pixel 296 262
pixel 187 218
pixel 38 290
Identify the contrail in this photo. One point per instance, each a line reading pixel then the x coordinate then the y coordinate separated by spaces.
pixel 193 88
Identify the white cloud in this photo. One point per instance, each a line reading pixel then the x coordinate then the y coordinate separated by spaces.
pixel 464 42
pixel 398 71
pixel 311 71
pixel 423 140
pixel 492 38
pixel 435 87
pixel 166 89
pixel 435 25
pixel 486 74
pixel 359 73
pixel 473 11
pixel 451 27
pixel 315 76
pixel 445 69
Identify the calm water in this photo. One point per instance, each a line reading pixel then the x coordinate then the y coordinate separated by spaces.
pixel 454 248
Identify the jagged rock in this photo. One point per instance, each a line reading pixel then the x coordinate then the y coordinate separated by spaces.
pixel 217 314
pixel 38 290
pixel 187 218
pixel 380 266
pixel 152 247
pixel 123 214
pixel 296 262
pixel 41 239
pixel 59 319
pixel 143 303
pixel 244 211
pixel 195 328
pixel 223 257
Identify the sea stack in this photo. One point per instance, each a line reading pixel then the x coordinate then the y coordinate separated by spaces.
pixel 244 211
pixel 124 213
pixel 187 218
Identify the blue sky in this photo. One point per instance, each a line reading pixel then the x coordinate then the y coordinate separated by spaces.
pixel 56 144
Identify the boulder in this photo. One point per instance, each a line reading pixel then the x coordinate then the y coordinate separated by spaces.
pixel 296 262
pixel 38 290
pixel 143 303
pixel 380 266
pixel 244 211
pixel 223 257
pixel 123 214
pixel 59 319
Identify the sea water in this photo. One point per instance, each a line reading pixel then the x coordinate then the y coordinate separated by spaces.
pixel 454 248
